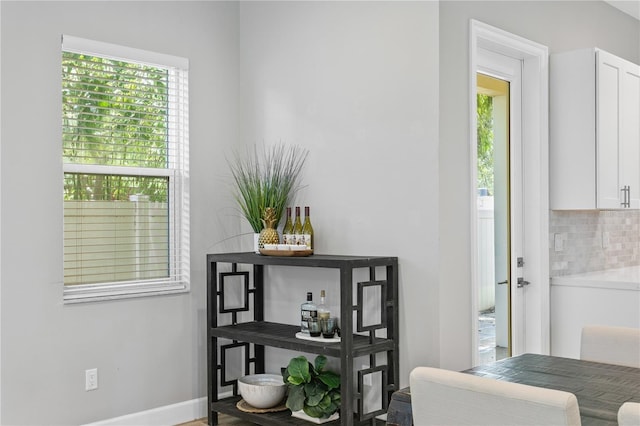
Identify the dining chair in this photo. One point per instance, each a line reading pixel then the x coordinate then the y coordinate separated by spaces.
pixel 443 397
pixel 611 345
pixel 629 414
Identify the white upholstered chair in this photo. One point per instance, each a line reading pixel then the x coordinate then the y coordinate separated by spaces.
pixel 629 414
pixel 612 345
pixel 443 397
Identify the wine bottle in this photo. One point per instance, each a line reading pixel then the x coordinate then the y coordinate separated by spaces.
pixel 307 230
pixel 323 311
pixel 287 231
pixel 297 229
pixel 308 313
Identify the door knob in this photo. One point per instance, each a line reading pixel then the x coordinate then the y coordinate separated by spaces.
pixel 503 282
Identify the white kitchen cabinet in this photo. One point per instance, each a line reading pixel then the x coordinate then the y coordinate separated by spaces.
pixel 610 297
pixel 594 124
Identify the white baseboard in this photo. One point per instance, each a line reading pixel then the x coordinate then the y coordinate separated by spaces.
pixel 173 414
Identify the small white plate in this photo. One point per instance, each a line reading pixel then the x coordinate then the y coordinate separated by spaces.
pixel 305 336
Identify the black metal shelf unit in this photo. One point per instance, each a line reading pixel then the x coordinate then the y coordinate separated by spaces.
pixel 357 339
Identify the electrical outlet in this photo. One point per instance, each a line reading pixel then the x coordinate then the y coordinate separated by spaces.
pixel 558 242
pixel 91 379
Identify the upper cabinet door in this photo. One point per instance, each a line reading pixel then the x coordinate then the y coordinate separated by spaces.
pixel 610 70
pixel 594 123
pixel 630 133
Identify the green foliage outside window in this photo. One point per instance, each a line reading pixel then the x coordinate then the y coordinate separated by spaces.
pixel 114 114
pixel 485 142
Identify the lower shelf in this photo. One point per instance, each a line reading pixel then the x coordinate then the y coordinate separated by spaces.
pixel 228 406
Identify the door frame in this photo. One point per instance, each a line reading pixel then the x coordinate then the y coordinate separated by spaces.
pixel 535 151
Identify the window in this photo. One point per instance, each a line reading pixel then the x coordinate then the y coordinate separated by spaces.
pixel 126 171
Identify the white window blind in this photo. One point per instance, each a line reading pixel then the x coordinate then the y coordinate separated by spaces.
pixel 125 162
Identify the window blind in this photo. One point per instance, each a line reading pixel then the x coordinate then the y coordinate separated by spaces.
pixel 125 156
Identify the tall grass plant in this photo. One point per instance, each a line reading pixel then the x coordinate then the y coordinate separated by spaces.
pixel 267 177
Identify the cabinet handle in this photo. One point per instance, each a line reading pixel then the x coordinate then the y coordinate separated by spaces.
pixel 626 196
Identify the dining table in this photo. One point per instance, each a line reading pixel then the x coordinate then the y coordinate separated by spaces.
pixel 600 388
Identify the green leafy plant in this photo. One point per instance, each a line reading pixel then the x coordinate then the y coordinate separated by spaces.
pixel 311 388
pixel 266 178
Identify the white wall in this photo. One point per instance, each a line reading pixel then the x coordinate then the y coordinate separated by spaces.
pixel 356 84
pixel 561 25
pixel 376 90
pixel 150 351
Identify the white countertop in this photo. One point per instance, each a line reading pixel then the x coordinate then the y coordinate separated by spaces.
pixel 622 278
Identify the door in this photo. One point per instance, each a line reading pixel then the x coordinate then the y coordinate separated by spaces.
pixel 524 64
pixel 499 174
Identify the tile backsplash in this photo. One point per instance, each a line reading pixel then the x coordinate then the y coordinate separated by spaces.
pixel 593 240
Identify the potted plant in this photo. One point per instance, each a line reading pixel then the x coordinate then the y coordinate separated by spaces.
pixel 312 390
pixel 266 178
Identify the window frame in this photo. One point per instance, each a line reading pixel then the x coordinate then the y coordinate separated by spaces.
pixel 177 172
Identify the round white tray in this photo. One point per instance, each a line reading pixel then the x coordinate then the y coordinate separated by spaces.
pixel 305 336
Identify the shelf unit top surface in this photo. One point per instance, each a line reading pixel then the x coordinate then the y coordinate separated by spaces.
pixel 314 260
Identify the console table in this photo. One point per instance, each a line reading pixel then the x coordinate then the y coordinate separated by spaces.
pixel 358 275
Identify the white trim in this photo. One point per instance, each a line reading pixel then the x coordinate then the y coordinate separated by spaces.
pixel 99 48
pixel 116 170
pixel 473 167
pixel 173 414
pixel 177 171
pixel 81 294
pixel 536 145
pixel 0 234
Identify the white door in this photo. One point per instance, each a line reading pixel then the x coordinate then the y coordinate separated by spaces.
pixel 524 64
pixel 499 79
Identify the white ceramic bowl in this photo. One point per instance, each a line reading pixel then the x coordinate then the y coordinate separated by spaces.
pixel 262 390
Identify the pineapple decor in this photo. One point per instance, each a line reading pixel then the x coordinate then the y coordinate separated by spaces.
pixel 269 233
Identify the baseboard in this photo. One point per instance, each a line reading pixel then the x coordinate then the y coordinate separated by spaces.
pixel 173 414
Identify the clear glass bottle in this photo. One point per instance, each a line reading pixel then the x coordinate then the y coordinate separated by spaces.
pixel 307 229
pixel 287 231
pixel 297 229
pixel 323 311
pixel 308 312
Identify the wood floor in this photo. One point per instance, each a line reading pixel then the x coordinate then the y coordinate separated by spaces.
pixel 223 420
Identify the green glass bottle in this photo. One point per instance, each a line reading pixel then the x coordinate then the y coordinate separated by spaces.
pixel 287 231
pixel 298 239
pixel 307 230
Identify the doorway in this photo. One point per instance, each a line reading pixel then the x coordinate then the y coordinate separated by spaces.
pixel 494 212
pixel 525 213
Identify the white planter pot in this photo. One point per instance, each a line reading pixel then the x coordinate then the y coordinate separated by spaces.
pixel 302 415
pixel 256 245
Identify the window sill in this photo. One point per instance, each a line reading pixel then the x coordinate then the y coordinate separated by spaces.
pixel 104 292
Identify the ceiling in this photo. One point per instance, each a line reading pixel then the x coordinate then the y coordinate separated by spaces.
pixel 630 7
